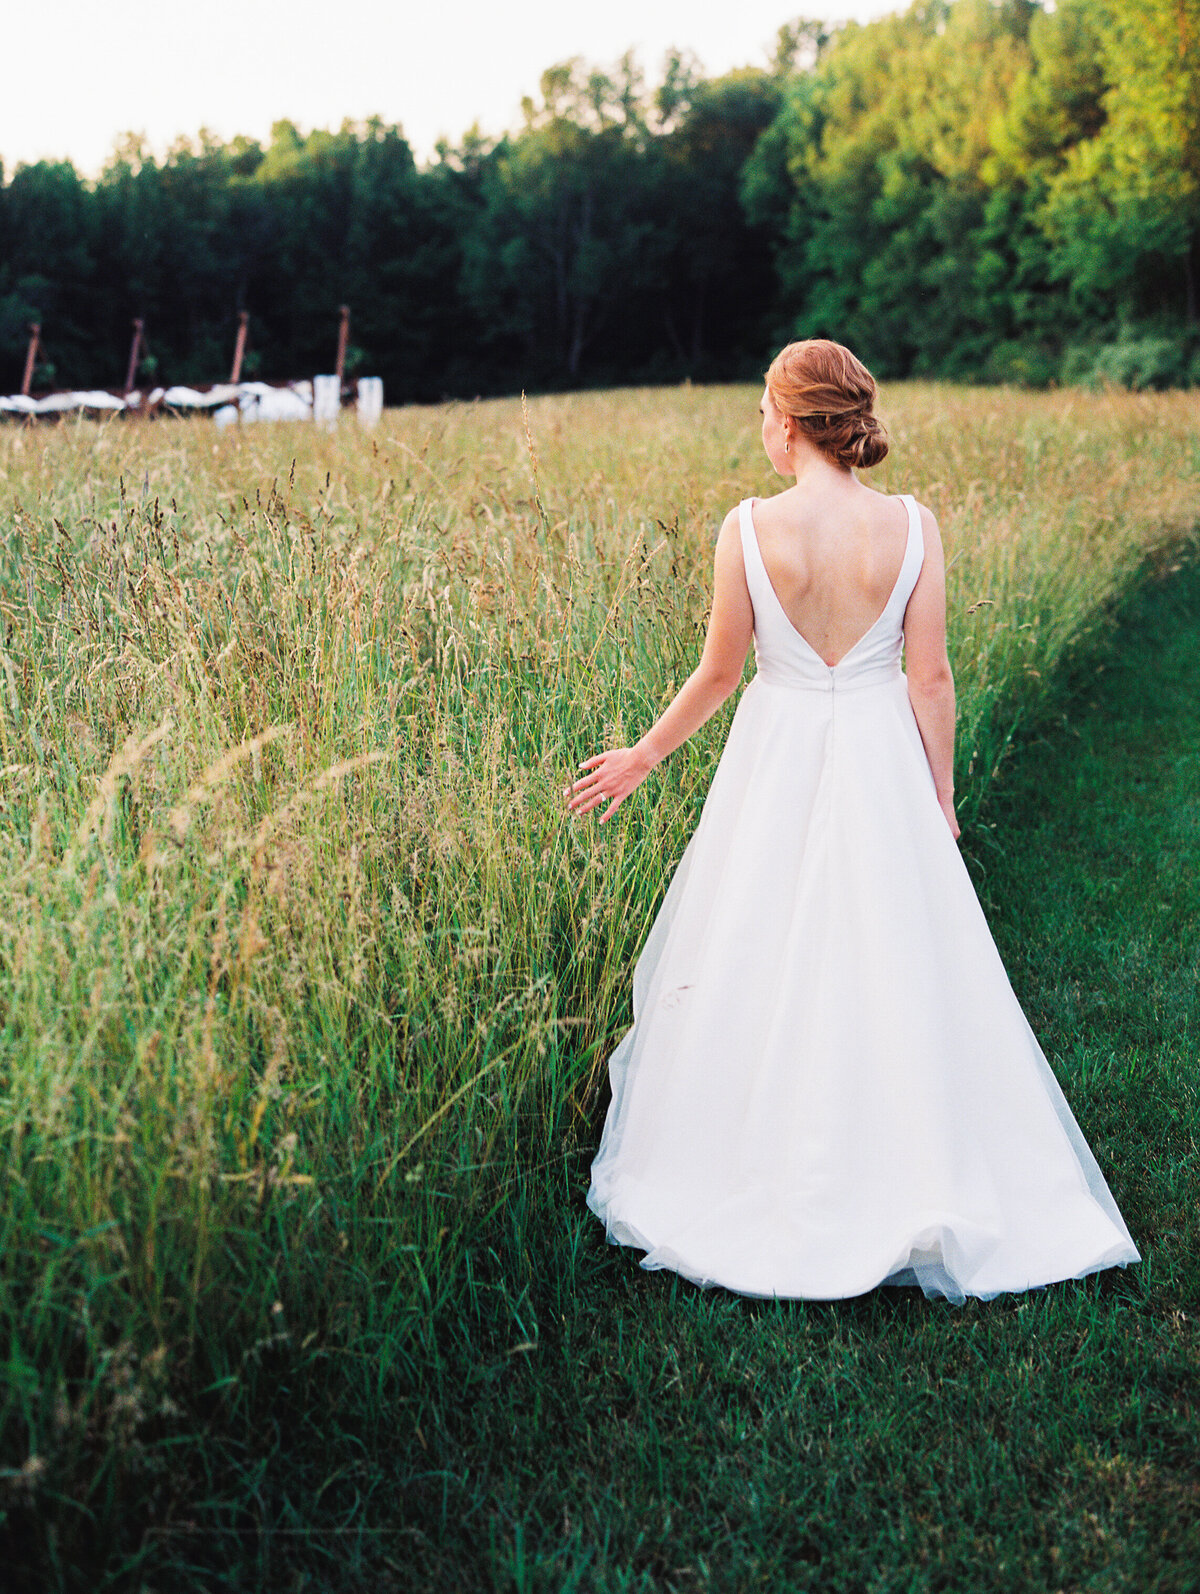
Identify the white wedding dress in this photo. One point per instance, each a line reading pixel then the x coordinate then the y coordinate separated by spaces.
pixel 829 1084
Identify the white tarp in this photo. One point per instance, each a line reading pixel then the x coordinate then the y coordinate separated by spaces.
pixel 227 401
pixel 190 398
pixel 61 403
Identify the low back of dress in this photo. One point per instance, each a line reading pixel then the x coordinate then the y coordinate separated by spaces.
pixel 783 656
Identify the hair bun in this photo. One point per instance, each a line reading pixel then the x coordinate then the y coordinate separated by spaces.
pixel 866 445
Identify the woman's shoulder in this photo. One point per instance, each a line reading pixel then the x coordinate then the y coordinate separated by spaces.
pixel 927 517
pixel 768 507
pixel 929 525
pixel 729 539
pixel 731 526
pixel 923 508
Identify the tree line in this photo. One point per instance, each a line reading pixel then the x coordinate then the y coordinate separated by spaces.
pixel 980 189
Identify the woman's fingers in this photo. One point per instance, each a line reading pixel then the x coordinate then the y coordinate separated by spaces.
pixel 584 801
pixel 605 780
pixel 585 791
pixel 593 774
pixel 580 785
pixel 585 784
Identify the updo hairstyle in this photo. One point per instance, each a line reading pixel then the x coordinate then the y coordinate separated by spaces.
pixel 830 395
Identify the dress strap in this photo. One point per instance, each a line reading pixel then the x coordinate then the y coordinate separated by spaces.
pixel 756 571
pixel 746 526
pixel 914 555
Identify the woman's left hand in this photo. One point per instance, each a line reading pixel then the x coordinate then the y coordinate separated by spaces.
pixel 946 804
pixel 611 777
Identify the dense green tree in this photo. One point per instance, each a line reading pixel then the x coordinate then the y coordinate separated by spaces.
pixel 876 164
pixel 169 252
pixel 47 229
pixel 718 278
pixel 404 256
pixel 566 240
pixel 980 188
pixel 1124 210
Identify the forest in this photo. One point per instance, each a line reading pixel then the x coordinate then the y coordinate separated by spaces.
pixel 984 190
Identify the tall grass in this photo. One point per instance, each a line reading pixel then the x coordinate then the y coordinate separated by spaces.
pixel 306 980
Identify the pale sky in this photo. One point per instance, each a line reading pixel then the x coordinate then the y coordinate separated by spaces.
pixel 79 72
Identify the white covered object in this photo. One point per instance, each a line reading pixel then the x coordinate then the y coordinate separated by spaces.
pixel 228 401
pixel 61 403
pixel 260 402
pixel 370 399
pixel 829 1083
pixel 191 398
pixel 327 400
pixel 92 399
pixel 55 403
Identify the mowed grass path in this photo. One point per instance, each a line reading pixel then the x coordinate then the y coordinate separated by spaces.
pixel 658 1437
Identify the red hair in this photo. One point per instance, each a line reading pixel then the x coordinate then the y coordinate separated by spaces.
pixel 830 395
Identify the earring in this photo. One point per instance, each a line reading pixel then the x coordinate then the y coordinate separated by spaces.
pixel 787 445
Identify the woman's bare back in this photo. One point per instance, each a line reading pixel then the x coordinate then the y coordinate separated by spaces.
pixel 833 560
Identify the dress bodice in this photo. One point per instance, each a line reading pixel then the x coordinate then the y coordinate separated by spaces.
pixel 783 656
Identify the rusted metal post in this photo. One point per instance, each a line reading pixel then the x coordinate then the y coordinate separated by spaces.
pixel 239 350
pixel 35 333
pixel 135 352
pixel 343 339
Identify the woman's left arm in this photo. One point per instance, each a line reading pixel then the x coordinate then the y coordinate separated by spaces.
pixel 611 776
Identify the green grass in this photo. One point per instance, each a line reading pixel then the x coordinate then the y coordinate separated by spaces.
pixel 588 1426
pixel 306 987
pixel 660 1437
pixel 664 1438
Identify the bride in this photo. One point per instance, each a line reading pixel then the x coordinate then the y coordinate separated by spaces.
pixel 829 1084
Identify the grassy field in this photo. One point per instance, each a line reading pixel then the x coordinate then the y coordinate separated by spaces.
pixel 306 983
pixel 667 1439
